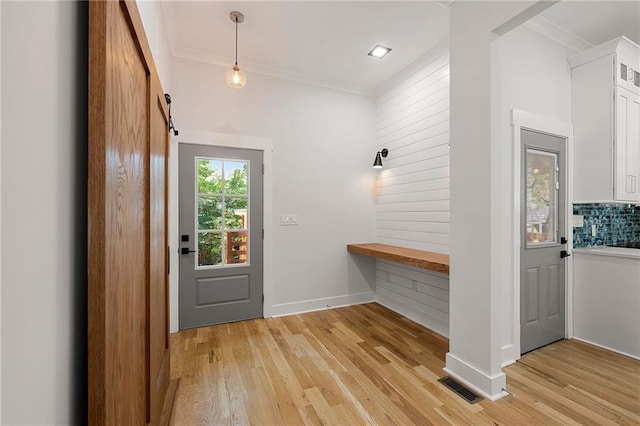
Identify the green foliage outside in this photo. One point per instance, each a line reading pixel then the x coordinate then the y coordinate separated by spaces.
pixel 216 208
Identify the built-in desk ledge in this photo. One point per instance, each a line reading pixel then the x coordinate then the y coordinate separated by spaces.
pixel 437 262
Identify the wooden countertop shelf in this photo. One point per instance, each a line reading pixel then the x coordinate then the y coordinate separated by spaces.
pixel 419 258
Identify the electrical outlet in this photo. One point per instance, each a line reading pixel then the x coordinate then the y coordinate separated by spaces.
pixel 578 221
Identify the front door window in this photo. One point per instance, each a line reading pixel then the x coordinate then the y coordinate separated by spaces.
pixel 222 212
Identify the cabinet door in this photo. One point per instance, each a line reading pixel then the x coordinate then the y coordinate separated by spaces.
pixel 627 146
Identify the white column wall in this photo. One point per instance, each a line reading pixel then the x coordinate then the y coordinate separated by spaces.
pixel 475 333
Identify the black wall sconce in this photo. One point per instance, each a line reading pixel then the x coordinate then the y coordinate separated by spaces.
pixel 377 164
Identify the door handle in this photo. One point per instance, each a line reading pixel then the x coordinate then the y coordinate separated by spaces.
pixel 185 250
pixel 564 254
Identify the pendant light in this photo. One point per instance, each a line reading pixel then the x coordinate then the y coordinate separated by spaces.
pixel 235 76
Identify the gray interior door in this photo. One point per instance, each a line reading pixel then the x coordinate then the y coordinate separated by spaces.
pixel 221 265
pixel 542 279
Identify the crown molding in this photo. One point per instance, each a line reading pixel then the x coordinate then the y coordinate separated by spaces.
pixel 558 34
pixel 223 61
pixel 445 3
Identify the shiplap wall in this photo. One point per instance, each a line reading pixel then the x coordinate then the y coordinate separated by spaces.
pixel 412 189
pixel 416 293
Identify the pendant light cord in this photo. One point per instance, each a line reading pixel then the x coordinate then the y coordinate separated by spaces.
pixel 236 40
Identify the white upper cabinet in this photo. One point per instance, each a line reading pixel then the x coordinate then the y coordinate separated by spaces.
pixel 627 145
pixel 605 108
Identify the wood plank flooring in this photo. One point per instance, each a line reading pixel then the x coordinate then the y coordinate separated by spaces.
pixel 368 365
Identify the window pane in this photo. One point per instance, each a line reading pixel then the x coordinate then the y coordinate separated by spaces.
pixel 209 212
pixel 235 213
pixel 209 176
pixel 222 216
pixel 236 177
pixel 236 247
pixel 541 197
pixel 209 248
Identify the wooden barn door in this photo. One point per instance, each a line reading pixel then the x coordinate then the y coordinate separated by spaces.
pixel 127 233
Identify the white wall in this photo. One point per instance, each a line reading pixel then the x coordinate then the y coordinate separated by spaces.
pixel 412 190
pixel 0 215
pixel 44 109
pixel 156 32
pixel 412 122
pixel 322 160
pixel 529 72
pixel 418 294
pixel 475 340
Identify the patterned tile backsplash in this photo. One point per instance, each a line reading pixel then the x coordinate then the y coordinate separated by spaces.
pixel 615 224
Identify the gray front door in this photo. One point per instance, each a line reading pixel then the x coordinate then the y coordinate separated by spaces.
pixel 220 235
pixel 542 276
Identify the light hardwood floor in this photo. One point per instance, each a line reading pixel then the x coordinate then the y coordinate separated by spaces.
pixel 368 365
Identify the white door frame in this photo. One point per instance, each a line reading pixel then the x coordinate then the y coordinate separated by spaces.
pixel 526 120
pixel 228 141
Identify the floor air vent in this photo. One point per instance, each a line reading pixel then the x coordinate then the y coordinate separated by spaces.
pixel 467 394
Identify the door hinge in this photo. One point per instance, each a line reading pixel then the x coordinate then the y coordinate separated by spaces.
pixel 263 169
pixel 263 298
pixel 263 233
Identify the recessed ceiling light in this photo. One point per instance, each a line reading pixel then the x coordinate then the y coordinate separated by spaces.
pixel 379 51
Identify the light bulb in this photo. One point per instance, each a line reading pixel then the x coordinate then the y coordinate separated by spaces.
pixel 236 78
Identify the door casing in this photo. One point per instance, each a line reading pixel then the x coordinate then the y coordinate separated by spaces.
pixel 230 141
pixel 526 120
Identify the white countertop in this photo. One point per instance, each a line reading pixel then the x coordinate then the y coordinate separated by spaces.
pixel 610 251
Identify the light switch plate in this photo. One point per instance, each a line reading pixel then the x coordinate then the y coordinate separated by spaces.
pixel 288 219
pixel 578 221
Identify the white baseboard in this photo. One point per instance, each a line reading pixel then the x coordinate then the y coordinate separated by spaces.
pixel 490 387
pixel 294 308
pixel 510 354
pixel 413 314
pixel 608 348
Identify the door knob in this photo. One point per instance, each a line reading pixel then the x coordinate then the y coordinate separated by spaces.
pixel 563 240
pixel 185 250
pixel 564 254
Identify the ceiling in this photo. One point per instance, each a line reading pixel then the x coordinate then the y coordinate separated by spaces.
pixel 326 43
pixel 597 21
